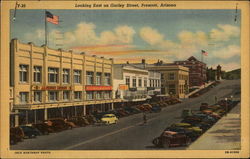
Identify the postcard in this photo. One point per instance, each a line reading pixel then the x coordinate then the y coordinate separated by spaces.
pixel 124 79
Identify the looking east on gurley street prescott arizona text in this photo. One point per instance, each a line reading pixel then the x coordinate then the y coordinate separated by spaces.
pixel 120 5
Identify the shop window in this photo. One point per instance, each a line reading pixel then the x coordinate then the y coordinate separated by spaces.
pixel 24 97
pixel 171 89
pixel 66 76
pixel 77 76
pixel 98 78
pixel 90 78
pixel 37 96
pixel 53 75
pixel 37 74
pixel 53 96
pixel 23 73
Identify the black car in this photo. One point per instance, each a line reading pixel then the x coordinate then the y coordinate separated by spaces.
pixel 155 109
pixel 30 131
pixel 193 136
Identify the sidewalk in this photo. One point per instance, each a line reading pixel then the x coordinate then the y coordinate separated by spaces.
pixel 201 87
pixel 224 135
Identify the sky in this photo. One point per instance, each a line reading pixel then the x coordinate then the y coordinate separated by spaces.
pixel 132 35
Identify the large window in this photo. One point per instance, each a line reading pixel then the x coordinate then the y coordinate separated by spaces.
pixel 37 96
pixel 90 78
pixel 107 95
pixel 107 79
pixel 66 95
pixel 171 89
pixel 90 95
pixel 53 75
pixel 98 95
pixel 53 96
pixel 127 81
pixel 140 82
pixel 23 73
pixel 66 76
pixel 24 97
pixel 134 82
pixel 37 74
pixel 171 76
pixel 98 78
pixel 77 76
pixel 77 95
pixel 145 82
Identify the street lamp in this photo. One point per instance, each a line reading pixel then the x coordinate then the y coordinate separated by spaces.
pixel 226 106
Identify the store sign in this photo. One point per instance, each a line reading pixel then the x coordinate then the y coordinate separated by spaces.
pixel 98 88
pixel 132 89
pixel 51 87
pixel 123 87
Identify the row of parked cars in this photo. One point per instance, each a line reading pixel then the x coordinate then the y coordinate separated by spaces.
pixel 202 91
pixel 193 124
pixel 19 133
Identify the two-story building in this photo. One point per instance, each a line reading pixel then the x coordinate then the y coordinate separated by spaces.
pixel 51 83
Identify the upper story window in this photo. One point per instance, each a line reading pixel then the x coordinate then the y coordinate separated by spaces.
pixel 23 73
pixel 66 76
pixel 77 95
pixel 107 95
pixel 98 95
pixel 134 82
pixel 127 81
pixel 90 78
pixel 37 74
pixel 77 76
pixel 145 82
pixel 89 95
pixel 140 82
pixel 98 78
pixel 53 96
pixel 37 96
pixel 171 76
pixel 66 95
pixel 24 97
pixel 107 79
pixel 53 75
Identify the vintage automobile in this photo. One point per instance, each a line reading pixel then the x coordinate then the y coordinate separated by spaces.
pixel 170 138
pixel 91 119
pixel 79 121
pixel 16 135
pixel 58 124
pixel 203 106
pixel 188 126
pixel 193 136
pixel 43 128
pixel 29 131
pixel 109 119
pixel 155 109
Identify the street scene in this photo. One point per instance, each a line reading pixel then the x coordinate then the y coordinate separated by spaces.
pixel 119 80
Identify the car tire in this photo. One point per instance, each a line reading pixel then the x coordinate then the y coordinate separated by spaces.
pixel 156 142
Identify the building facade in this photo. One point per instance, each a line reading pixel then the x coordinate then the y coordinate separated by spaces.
pixel 174 79
pixel 130 83
pixel 197 71
pixel 49 83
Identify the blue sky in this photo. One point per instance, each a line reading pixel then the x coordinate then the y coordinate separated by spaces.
pixel 134 34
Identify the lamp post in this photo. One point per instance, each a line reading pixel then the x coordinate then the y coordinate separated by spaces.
pixel 226 106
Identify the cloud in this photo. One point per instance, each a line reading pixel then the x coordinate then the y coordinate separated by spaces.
pixel 151 36
pixel 38 35
pixel 227 52
pixel 85 34
pixel 224 32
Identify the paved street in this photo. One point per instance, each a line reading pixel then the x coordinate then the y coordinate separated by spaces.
pixel 129 133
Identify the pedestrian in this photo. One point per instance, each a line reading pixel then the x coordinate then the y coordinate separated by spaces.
pixel 144 118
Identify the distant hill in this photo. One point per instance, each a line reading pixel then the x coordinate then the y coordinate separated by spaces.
pixel 234 74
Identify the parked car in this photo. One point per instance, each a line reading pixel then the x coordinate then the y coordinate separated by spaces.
pixel 43 128
pixel 186 112
pixel 29 131
pixel 193 136
pixel 16 135
pixel 79 121
pixel 155 109
pixel 91 119
pixel 170 138
pixel 58 124
pixel 188 127
pixel 109 119
pixel 203 106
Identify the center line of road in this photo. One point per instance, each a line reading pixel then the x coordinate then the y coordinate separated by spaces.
pixel 108 134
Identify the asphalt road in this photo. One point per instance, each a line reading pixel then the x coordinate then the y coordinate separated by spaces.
pixel 129 133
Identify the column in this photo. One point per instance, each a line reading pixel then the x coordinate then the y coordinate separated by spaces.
pixel 16 117
pixel 45 113
pixel 112 106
